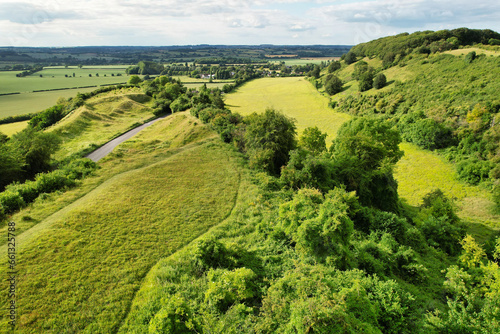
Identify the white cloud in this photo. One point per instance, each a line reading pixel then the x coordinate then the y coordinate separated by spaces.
pixel 164 22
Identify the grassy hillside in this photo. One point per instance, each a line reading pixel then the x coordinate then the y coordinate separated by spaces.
pixel 12 128
pixel 100 119
pixel 296 97
pixel 73 280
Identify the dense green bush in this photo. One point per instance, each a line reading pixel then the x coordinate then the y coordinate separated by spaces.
pixel 474 171
pixel 11 201
pixel 428 134
pixel 269 137
pixel 48 117
pixel 379 81
pixel 333 85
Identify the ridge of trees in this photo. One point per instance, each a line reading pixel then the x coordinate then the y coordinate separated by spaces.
pixel 392 47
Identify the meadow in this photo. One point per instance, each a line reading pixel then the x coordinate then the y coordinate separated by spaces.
pixel 108 115
pixel 296 97
pixel 83 264
pixel 12 128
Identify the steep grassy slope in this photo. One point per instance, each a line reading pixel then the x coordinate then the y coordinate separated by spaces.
pixel 78 268
pixel 100 119
pixel 296 97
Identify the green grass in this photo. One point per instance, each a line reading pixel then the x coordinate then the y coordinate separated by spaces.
pixel 13 128
pixel 420 172
pixel 296 97
pixel 101 118
pixel 54 78
pixel 79 268
pixel 27 103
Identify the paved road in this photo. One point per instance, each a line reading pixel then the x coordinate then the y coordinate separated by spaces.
pixel 107 148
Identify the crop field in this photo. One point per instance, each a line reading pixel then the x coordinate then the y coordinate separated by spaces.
pixel 89 259
pixel 27 103
pixel 55 78
pixel 295 97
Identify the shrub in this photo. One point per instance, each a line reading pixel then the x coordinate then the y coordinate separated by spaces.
pixel 469 58
pixel 50 182
pixel 474 171
pixel 379 81
pixel 11 201
pixel 228 287
pixel 333 85
pixel 180 104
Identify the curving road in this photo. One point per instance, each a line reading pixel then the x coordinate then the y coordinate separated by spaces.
pixel 107 148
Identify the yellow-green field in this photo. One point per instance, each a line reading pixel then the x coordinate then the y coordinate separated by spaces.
pixel 55 78
pixel 79 267
pixel 27 103
pixel 296 97
pixel 12 128
pixel 460 52
pixel 420 172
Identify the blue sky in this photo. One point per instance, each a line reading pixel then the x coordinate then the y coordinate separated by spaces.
pixel 172 22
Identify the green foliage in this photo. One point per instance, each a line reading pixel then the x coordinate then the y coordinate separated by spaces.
pixel 134 80
pixel 473 294
pixel 175 317
pixel 48 117
pixel 313 140
pixel 334 66
pixel 469 58
pixel 269 138
pixel 424 42
pixel 333 85
pixel 225 287
pixel 441 226
pixel 379 81
pixel 36 148
pixel 180 104
pixel 427 133
pixel 474 171
pixel 350 58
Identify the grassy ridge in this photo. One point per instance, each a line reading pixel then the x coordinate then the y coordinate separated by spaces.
pixel 106 115
pixel 88 259
pixel 295 97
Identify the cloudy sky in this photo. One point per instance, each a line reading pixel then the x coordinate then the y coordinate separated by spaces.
pixel 173 22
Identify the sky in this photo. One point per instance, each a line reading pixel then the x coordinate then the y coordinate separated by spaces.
pixel 232 22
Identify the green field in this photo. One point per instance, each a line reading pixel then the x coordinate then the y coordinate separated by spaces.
pixel 80 267
pixel 54 78
pixel 12 128
pixel 27 103
pixel 294 96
